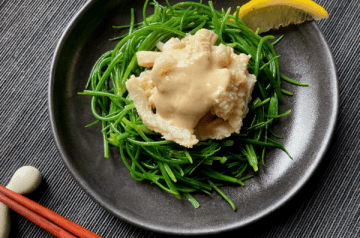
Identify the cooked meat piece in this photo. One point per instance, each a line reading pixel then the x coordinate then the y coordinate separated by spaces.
pixel 199 90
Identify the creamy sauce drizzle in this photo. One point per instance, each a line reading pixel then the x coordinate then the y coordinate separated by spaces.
pixel 185 90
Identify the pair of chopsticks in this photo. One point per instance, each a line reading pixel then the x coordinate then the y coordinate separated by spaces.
pixel 48 220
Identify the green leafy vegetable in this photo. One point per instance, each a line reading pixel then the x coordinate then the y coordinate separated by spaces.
pixel 174 168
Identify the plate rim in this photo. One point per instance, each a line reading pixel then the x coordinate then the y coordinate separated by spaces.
pixel 87 189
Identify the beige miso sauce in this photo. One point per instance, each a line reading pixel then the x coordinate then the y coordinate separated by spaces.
pixel 185 91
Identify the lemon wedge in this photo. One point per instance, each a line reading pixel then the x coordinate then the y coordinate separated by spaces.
pixel 271 14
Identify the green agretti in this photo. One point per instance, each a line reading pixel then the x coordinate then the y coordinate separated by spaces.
pixel 174 168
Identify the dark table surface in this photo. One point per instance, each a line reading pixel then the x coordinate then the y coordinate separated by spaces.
pixel 328 206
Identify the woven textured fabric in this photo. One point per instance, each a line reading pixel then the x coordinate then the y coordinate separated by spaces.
pixel 328 206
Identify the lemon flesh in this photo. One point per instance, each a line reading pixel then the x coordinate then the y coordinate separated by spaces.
pixel 271 14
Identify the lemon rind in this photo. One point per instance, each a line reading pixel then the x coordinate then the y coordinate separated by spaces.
pixel 308 6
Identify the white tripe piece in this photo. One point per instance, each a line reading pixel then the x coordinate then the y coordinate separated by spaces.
pixel 230 104
pixel 139 89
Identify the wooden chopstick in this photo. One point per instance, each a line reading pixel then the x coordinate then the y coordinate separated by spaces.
pixel 45 218
pixel 35 218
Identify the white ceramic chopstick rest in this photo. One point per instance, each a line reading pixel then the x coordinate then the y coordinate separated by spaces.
pixel 25 180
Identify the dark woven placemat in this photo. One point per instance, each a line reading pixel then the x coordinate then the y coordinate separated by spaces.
pixel 328 206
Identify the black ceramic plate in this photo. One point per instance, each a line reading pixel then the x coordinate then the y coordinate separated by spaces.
pixel 305 56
